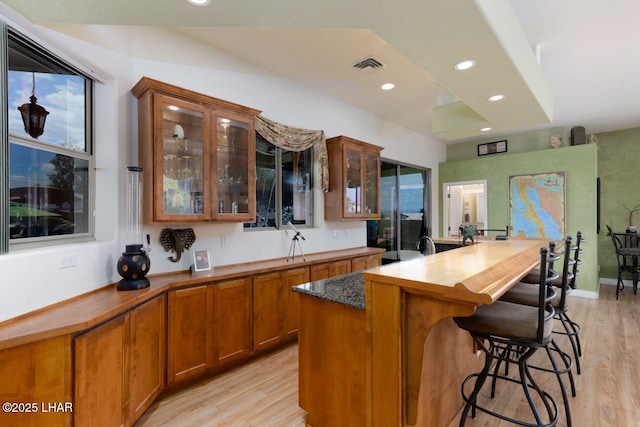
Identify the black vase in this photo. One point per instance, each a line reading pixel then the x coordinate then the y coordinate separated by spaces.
pixel 133 265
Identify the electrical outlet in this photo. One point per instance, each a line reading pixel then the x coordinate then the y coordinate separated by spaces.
pixel 66 261
pixel 347 232
pixel 335 234
pixel 224 241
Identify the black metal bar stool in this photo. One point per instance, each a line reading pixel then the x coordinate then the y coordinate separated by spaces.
pixel 512 333
pixel 571 328
pixel 527 294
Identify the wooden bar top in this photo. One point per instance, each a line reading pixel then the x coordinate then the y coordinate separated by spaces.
pixel 88 310
pixel 477 274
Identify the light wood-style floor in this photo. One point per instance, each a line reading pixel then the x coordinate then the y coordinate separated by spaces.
pixel 265 392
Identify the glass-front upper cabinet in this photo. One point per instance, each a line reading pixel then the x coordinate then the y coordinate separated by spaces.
pixel 181 160
pixel 235 168
pixel 354 180
pixel 353 188
pixel 197 154
pixel 371 177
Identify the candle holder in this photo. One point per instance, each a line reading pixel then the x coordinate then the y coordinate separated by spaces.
pixel 134 263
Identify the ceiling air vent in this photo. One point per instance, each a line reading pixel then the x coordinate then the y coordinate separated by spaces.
pixel 368 65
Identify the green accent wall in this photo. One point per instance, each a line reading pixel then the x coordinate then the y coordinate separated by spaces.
pixel 618 165
pixel 580 164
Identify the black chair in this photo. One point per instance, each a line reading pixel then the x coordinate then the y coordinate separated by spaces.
pixel 627 258
pixel 527 294
pixel 571 328
pixel 512 333
pixel 522 295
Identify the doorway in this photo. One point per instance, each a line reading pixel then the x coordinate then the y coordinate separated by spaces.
pixel 405 192
pixel 463 203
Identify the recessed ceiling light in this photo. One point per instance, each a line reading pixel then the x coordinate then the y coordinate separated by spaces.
pixel 199 2
pixel 465 65
pixel 387 86
pixel 485 129
pixel 498 97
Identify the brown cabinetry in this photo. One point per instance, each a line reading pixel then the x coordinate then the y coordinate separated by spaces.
pixel 119 367
pixel 147 355
pixel 232 322
pixel 276 306
pixel 354 167
pixel 330 269
pixel 189 333
pixel 109 354
pixel 198 155
pixel 100 375
pixel 209 326
pixel 268 309
pixel 35 374
pixel 291 278
pixel 365 262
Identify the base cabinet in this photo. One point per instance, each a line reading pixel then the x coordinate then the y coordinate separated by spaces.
pixel 119 367
pixel 208 327
pixel 232 320
pixel 36 374
pixel 100 383
pixel 189 333
pixel 365 262
pixel 268 309
pixel 330 269
pixel 291 278
pixel 147 355
pixel 276 307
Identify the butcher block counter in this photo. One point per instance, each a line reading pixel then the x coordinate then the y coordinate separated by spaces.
pixel 380 348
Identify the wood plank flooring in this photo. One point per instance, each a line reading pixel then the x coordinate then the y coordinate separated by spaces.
pixel 265 392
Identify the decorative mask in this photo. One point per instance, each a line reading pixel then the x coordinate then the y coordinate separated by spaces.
pixel 177 240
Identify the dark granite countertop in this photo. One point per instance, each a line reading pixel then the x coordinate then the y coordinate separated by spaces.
pixel 347 289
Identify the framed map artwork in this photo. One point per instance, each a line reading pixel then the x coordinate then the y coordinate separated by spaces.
pixel 537 205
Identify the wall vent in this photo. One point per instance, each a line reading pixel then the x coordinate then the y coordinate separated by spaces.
pixel 368 65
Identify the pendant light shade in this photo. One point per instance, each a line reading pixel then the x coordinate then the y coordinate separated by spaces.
pixel 33 115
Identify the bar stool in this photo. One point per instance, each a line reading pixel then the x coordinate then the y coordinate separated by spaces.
pixel 526 294
pixel 512 333
pixel 520 294
pixel 571 328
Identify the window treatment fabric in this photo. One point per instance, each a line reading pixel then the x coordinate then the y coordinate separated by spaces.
pixel 296 139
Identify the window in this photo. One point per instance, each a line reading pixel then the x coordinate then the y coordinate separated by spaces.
pixel 283 186
pixel 49 177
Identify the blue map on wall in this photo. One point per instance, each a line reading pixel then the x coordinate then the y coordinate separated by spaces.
pixel 537 205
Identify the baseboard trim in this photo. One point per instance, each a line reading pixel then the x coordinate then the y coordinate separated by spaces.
pixel 585 294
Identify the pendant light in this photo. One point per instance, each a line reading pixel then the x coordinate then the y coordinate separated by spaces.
pixel 33 115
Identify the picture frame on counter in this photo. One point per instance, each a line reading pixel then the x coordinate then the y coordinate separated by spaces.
pixel 201 262
pixel 492 147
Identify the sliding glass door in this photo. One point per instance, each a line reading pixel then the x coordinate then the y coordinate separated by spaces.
pixel 404 211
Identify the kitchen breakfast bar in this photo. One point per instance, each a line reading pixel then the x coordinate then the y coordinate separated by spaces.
pixel 380 348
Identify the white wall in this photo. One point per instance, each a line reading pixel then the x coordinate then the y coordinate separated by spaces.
pixel 123 55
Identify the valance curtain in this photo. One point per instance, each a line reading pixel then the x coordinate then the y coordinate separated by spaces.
pixel 296 139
